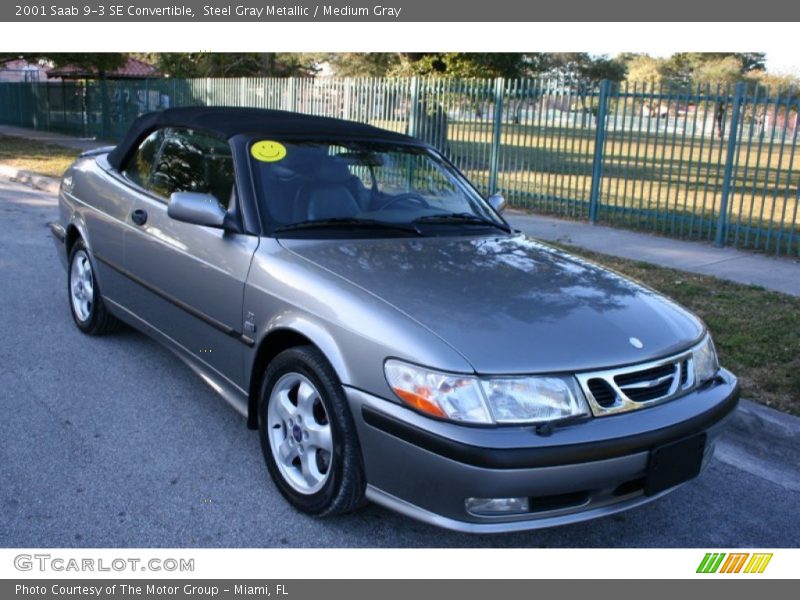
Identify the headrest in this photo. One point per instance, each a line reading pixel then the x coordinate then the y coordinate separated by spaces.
pixel 332 171
pixel 298 162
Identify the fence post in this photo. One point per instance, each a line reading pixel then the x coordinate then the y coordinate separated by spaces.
pixel 347 85
pixel 64 104
pixel 599 145
pixel 20 104
pixel 730 158
pixel 85 108
pixel 292 99
pixel 105 99
pixel 413 115
pixel 35 98
pixel 494 165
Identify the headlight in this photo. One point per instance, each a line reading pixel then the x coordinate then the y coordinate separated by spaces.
pixel 454 397
pixel 468 399
pixel 534 399
pixel 706 364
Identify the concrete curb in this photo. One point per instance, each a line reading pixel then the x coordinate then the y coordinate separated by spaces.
pixel 764 442
pixel 756 421
pixel 784 425
pixel 34 180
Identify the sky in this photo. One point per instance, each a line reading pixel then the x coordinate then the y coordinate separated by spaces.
pixel 782 61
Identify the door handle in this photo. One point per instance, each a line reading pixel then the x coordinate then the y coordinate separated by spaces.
pixel 139 216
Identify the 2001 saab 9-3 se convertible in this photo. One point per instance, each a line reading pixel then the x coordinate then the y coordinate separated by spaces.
pixel 381 325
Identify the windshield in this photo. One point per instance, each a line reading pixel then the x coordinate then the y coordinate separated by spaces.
pixel 324 189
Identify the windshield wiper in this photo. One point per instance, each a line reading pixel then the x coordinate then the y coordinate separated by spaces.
pixel 462 217
pixel 348 222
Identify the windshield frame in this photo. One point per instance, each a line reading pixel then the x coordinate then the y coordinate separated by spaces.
pixel 271 227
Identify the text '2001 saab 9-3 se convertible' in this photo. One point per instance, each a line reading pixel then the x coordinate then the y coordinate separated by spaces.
pixel 382 326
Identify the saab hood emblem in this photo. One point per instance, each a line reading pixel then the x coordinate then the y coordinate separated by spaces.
pixel 636 342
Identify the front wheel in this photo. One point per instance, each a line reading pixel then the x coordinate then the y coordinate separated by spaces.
pixel 308 436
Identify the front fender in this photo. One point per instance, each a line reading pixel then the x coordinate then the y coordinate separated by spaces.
pixel 303 324
pixel 354 329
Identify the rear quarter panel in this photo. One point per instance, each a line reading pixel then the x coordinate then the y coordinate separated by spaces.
pixel 97 206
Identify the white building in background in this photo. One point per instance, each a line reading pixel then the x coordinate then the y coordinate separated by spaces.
pixel 22 70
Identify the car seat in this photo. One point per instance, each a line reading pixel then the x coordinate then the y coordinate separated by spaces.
pixel 329 196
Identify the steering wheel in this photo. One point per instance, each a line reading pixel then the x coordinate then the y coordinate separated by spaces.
pixel 413 196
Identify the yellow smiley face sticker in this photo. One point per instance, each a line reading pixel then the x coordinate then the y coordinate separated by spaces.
pixel 268 151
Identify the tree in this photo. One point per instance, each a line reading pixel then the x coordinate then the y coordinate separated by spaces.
pixel 783 83
pixel 752 61
pixel 601 67
pixel 683 67
pixel 719 71
pixel 579 71
pixel 461 64
pixel 361 64
pixel 579 68
pixel 235 64
pixel 645 69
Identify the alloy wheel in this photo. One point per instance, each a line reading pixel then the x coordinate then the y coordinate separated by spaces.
pixel 81 286
pixel 299 432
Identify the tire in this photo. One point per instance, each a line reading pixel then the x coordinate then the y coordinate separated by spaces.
pixel 85 301
pixel 308 436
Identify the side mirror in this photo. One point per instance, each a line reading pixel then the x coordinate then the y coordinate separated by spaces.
pixel 497 202
pixel 196 208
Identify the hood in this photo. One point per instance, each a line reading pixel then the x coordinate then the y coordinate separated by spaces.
pixel 510 304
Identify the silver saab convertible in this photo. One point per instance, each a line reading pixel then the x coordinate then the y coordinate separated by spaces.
pixel 387 332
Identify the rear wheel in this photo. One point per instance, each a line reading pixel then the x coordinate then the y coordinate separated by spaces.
pixel 88 310
pixel 308 436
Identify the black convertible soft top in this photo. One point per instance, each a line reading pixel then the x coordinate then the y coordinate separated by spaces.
pixel 230 121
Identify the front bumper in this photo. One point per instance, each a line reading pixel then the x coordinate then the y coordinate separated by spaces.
pixel 426 469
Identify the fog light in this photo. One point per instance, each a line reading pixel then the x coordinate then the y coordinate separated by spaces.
pixel 496 506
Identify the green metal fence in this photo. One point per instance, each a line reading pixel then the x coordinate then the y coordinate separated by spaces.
pixel 699 162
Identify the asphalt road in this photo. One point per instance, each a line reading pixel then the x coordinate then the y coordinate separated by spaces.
pixel 114 442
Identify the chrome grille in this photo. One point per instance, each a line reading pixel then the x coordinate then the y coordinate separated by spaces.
pixel 636 386
pixel 603 393
pixel 648 384
pixel 684 372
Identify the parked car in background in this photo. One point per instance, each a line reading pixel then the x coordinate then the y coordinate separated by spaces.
pixel 387 332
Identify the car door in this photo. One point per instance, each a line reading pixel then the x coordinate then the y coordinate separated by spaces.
pixel 189 279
